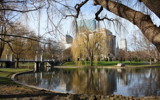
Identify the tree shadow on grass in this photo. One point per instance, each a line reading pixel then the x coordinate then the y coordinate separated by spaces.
pixel 7 81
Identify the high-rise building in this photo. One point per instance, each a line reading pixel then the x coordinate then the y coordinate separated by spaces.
pixel 67 41
pixel 110 41
pixel 89 25
pixel 123 44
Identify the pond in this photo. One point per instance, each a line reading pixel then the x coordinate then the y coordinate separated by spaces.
pixel 136 82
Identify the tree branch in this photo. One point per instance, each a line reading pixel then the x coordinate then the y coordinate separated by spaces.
pixel 141 20
pixel 18 1
pixel 21 11
pixel 11 35
pixel 8 42
pixel 100 19
pixel 152 5
pixel 78 8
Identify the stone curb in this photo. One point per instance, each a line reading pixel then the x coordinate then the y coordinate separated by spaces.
pixel 31 86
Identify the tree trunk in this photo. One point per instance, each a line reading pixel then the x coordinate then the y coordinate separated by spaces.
pixel 156 58
pixel 150 60
pixel 144 22
pixel 2 43
pixel 17 66
pixel 91 61
pixel 1 48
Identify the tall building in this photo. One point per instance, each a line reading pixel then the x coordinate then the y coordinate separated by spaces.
pixel 123 44
pixel 110 41
pixel 67 41
pixel 89 24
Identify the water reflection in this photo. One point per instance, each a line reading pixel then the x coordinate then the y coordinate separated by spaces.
pixel 127 82
pixel 94 81
pixel 139 82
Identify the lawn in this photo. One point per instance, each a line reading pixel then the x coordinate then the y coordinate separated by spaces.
pixel 5 74
pixel 108 63
pixel 26 65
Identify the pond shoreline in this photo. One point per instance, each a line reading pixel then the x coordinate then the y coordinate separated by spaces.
pixel 52 95
pixel 109 67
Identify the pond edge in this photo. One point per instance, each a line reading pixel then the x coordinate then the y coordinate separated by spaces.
pixel 110 96
pixel 31 86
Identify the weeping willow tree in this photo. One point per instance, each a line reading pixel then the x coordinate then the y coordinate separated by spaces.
pixel 88 45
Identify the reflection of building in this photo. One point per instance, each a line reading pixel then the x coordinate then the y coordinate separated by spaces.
pixel 123 44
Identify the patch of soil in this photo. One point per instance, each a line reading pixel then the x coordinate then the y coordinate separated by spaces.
pixel 19 92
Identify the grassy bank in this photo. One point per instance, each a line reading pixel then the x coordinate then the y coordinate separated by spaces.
pixel 27 65
pixel 111 63
pixel 10 90
pixel 5 74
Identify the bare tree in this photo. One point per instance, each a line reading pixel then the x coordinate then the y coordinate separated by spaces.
pixel 9 12
pixel 67 9
pixel 143 49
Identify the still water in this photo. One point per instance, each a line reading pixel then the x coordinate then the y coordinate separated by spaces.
pixel 136 82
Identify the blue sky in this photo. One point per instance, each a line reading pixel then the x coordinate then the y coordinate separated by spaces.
pixel 87 12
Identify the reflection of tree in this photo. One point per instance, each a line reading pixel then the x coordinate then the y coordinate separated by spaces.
pixel 94 82
pixel 79 81
pixel 90 81
pixel 31 79
pixel 150 83
pixel 124 76
pixel 108 81
pixel 141 82
pixel 138 82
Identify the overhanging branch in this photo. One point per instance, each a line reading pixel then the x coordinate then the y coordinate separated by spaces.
pixel 141 20
pixel 8 42
pixel 11 35
pixel 78 9
pixel 105 17
pixel 21 11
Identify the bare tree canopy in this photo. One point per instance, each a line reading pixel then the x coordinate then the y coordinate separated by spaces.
pixel 141 20
pixel 69 8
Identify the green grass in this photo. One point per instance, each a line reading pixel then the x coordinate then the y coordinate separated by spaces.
pixel 13 70
pixel 5 74
pixel 26 64
pixel 69 64
pixel 111 63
